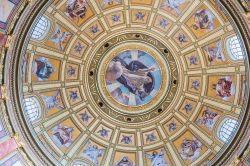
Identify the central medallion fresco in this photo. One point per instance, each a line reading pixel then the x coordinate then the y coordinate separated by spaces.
pixel 133 78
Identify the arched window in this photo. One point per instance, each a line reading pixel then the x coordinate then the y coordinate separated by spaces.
pixel 18 163
pixel 234 48
pixel 80 163
pixel 41 29
pixel 226 128
pixel 32 108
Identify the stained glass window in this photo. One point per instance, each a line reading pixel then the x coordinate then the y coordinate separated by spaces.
pixel 80 163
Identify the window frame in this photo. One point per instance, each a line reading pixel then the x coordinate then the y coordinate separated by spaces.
pixel 235 52
pixel 226 129
pixel 34 109
pixel 41 28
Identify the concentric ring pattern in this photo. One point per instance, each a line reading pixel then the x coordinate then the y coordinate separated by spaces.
pixel 133 82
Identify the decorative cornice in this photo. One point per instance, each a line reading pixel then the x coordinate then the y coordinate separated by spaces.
pixel 15 105
pixel 16 53
pixel 232 151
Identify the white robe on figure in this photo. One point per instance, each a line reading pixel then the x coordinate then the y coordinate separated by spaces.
pixel 157 159
pixel 92 153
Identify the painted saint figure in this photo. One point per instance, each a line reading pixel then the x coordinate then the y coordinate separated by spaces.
pixel 62 135
pixel 60 38
pixel 92 152
pixel 124 161
pixel 53 101
pixel 224 87
pixel 208 119
pixel 43 69
pixel 157 159
pixel 134 79
pixel 173 5
pixel 190 149
pixel 76 8
pixel 215 53
pixel 203 19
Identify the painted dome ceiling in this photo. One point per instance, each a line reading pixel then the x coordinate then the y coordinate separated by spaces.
pixel 131 82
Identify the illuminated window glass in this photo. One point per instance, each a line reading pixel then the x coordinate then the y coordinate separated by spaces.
pixel 234 48
pixel 41 28
pixel 18 163
pixel 80 163
pixel 226 128
pixel 32 108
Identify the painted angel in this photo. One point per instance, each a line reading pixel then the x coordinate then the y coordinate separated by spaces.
pixel 76 8
pixel 190 149
pixel 124 161
pixel 203 19
pixel 157 158
pixel 173 5
pixel 215 53
pixel 110 2
pixel 53 101
pixel 208 119
pixel 135 79
pixel 224 87
pixel 59 38
pixel 92 152
pixel 62 135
